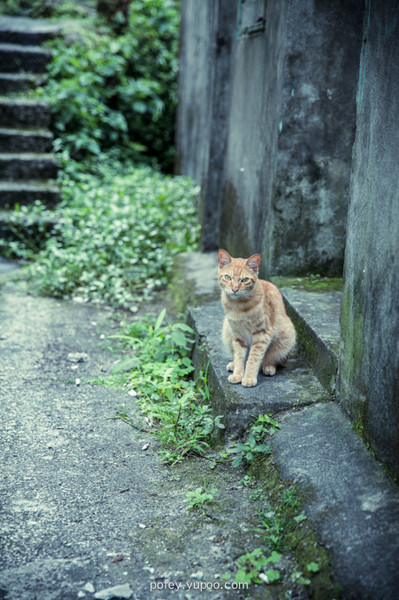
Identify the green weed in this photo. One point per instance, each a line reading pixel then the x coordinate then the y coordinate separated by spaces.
pixel 252 567
pixel 172 403
pixel 114 236
pixel 201 496
pixel 246 451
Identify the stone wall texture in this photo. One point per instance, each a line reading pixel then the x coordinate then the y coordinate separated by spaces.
pixel 266 124
pixel 369 370
pixel 289 120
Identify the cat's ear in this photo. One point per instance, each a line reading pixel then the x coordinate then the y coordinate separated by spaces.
pixel 224 258
pixel 253 263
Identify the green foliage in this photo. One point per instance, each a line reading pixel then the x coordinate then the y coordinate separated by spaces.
pixel 47 8
pixel 115 236
pixel 273 524
pixel 264 425
pixel 171 402
pixel 201 496
pixel 251 567
pixel 109 91
pixel 247 450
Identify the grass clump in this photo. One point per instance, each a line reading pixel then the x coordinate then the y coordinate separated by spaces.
pixel 200 496
pixel 114 236
pixel 174 406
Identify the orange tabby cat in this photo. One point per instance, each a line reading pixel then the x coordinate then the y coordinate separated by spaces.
pixel 257 330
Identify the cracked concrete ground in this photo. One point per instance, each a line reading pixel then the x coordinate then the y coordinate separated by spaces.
pixel 84 507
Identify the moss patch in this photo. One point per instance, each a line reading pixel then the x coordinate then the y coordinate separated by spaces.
pixel 310 283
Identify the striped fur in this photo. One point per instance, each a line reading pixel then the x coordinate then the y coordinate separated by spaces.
pixel 257 330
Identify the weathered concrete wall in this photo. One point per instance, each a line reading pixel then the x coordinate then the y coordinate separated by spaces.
pixel 195 93
pixel 207 32
pixel 369 365
pixel 266 125
pixel 317 131
pixel 252 137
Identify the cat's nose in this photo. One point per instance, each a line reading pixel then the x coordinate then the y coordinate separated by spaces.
pixel 235 290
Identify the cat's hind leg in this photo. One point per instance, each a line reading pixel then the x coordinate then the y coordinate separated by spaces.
pixel 278 352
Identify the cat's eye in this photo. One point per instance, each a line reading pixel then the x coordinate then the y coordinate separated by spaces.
pixel 227 277
pixel 245 280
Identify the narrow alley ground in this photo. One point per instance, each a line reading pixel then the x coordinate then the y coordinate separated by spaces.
pixel 85 504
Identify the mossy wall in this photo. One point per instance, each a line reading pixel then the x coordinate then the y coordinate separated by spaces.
pixel 207 34
pixel 266 124
pixel 369 361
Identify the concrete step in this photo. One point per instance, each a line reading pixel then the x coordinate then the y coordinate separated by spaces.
pixel 15 228
pixel 26 192
pixel 28 166
pixel 30 59
pixel 24 113
pixel 316 317
pixel 349 498
pixel 25 140
pixel 26 31
pixel 290 389
pixel 13 83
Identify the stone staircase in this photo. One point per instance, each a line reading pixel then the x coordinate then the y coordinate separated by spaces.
pixel 28 169
pixel 349 498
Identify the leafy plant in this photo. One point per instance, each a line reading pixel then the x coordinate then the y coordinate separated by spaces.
pixel 247 450
pixel 264 425
pixel 251 567
pixel 171 402
pixel 118 91
pixel 113 238
pixel 201 496
pixel 273 524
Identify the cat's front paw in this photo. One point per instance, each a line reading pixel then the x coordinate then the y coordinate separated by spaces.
pixel 249 381
pixel 230 366
pixel 233 378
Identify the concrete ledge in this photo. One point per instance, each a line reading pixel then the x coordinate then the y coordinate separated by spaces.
pixel 26 192
pixel 349 498
pixel 352 501
pixel 316 318
pixel 23 30
pixel 28 166
pixel 25 140
pixel 22 112
pixel 16 57
pixel 291 388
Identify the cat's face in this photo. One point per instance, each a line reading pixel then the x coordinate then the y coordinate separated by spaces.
pixel 237 276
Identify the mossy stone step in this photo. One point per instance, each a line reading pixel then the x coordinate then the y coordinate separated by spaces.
pixel 28 166
pixel 316 317
pixel 13 83
pixel 27 192
pixel 26 31
pixel 24 113
pixel 349 499
pixel 30 59
pixel 13 227
pixel 25 140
